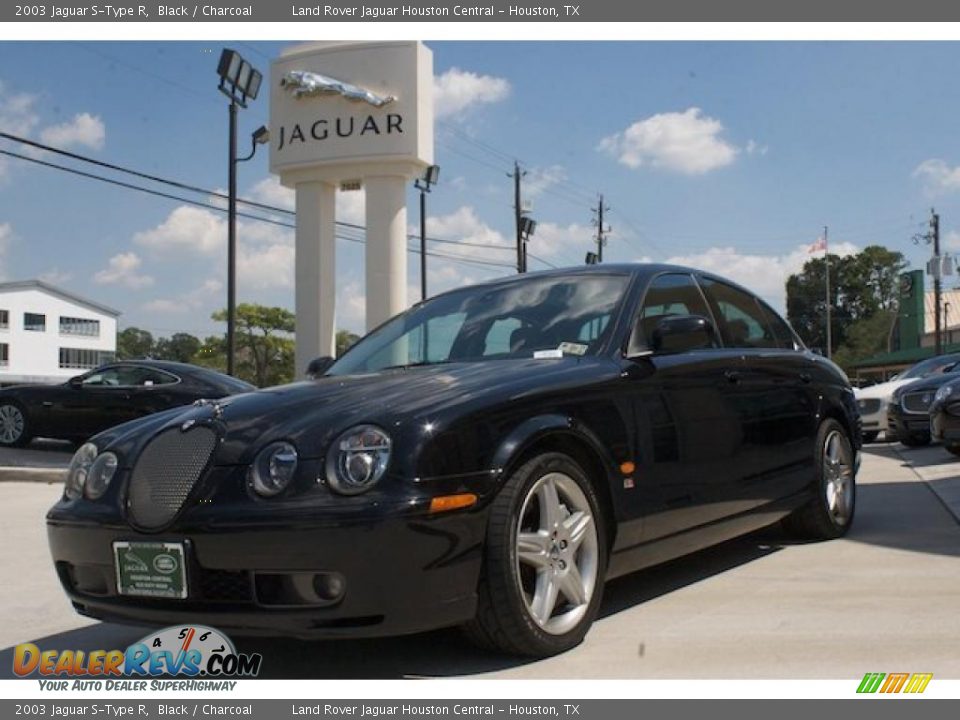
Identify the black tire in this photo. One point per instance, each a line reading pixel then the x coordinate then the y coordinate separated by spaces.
pixel 954 449
pixel 870 436
pixel 505 618
pixel 821 519
pixel 915 439
pixel 11 407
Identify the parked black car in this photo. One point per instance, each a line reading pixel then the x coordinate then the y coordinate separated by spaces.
pixel 487 458
pixel 107 396
pixel 909 409
pixel 945 415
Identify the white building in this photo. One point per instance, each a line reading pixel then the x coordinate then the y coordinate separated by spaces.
pixel 48 335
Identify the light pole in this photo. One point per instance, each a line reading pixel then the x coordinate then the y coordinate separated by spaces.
pixel 240 82
pixel 430 177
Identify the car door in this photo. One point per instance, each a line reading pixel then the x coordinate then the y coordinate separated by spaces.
pixel 774 396
pixel 95 402
pixel 688 430
pixel 152 390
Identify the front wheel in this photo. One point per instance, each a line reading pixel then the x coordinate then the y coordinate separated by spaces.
pixel 544 561
pixel 829 513
pixel 916 439
pixel 953 448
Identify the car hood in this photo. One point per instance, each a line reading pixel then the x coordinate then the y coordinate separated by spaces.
pixel 312 413
pixel 929 383
pixel 882 391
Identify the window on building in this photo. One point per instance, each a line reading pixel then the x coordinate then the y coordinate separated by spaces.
pixel 4 355
pixel 4 319
pixel 84 359
pixel 35 322
pixel 79 326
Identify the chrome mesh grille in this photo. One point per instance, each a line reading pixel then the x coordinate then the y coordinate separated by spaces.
pixel 166 472
pixel 869 406
pixel 918 402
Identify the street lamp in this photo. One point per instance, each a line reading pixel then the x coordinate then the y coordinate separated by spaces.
pixel 527 227
pixel 240 82
pixel 430 177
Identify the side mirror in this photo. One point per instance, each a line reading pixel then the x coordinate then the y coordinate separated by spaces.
pixel 76 381
pixel 318 366
pixel 678 333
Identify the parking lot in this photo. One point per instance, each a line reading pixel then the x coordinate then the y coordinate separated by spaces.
pixel 882 599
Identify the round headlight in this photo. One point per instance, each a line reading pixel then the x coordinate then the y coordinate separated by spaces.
pixel 100 475
pixel 943 392
pixel 273 468
pixel 79 468
pixel 358 459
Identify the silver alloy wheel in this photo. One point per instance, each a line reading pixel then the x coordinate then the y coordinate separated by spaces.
pixel 558 552
pixel 838 477
pixel 11 424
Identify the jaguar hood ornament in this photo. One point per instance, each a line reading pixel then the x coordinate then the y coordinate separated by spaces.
pixel 307 84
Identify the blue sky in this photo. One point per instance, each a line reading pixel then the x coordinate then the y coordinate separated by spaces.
pixel 730 156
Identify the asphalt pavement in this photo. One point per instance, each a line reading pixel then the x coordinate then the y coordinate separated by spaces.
pixel 884 598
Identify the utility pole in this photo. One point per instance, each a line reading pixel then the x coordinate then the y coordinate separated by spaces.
pixel 826 259
pixel 518 215
pixel 937 325
pixel 601 229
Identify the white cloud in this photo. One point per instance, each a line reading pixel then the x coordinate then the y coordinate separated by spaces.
pixel 349 209
pixel 190 302
pixel 687 142
pixel 186 229
pixel 55 276
pixel 267 266
pixel 539 180
pixel 766 275
pixel 84 129
pixel 122 270
pixel 755 148
pixel 951 241
pixel 18 116
pixel 938 176
pixel 457 90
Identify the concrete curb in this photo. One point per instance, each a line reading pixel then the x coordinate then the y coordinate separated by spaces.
pixel 47 475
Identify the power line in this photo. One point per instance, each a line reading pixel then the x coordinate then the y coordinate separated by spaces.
pixel 178 198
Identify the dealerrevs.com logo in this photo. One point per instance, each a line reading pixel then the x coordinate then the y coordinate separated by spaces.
pixel 889 683
pixel 192 651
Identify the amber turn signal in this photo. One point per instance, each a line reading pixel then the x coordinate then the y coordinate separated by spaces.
pixel 445 503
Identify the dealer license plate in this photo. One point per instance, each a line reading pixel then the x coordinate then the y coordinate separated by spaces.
pixel 151 569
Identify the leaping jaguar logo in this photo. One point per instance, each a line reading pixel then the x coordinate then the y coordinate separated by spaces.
pixel 307 84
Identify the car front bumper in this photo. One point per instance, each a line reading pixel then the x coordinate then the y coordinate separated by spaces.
pixel 945 423
pixel 403 573
pixel 902 424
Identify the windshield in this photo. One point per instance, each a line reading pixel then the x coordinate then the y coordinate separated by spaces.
pixel 934 365
pixel 549 316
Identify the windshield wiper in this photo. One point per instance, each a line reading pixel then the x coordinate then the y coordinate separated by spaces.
pixel 421 363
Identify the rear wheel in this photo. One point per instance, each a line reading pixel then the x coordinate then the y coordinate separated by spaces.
pixel 14 430
pixel 830 512
pixel 544 561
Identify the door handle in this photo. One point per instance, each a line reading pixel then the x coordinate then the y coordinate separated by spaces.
pixel 732 376
pixel 805 378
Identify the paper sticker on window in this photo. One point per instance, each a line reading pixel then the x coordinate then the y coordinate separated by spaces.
pixel 547 354
pixel 571 348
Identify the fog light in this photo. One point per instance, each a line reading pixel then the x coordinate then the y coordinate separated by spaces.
pixel 329 586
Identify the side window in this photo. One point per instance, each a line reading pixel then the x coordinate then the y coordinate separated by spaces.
pixel 108 377
pixel 742 323
pixel 148 377
pixel 671 294
pixel 781 331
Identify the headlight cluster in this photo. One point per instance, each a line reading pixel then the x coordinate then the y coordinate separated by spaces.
pixel 943 392
pixel 358 459
pixel 90 472
pixel 273 468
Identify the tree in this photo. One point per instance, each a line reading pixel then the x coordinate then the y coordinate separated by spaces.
pixel 345 339
pixel 133 343
pixel 181 347
pixel 862 287
pixel 264 343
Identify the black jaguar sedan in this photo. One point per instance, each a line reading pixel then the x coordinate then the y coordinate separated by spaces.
pixel 487 459
pixel 104 397
pixel 908 413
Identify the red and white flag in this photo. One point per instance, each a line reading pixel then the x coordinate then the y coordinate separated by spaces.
pixel 819 245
